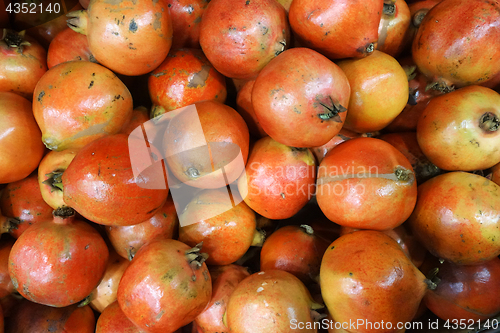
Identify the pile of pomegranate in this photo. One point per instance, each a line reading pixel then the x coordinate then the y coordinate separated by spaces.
pixel 250 166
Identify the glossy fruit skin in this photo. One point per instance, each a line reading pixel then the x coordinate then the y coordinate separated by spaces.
pixel 227 235
pixel 457 137
pixel 78 102
pixel 105 293
pixel 267 302
pixel 466 292
pixel 366 275
pixel 344 135
pixel 111 195
pixel 23 200
pixel 240 38
pixel 186 21
pixel 245 109
pixel 456 218
pixel 372 80
pixel 393 28
pixel 418 10
pixel 127 240
pixel 297 250
pixel 366 183
pixel 68 45
pixel 228 277
pixel 159 273
pixel 30 317
pixel 337 29
pixel 54 162
pixel 112 320
pixel 58 262
pixel 407 144
pixel 183 78
pixel 6 286
pixel 20 146
pixel 279 179
pixel 21 67
pixel 222 126
pixel 126 47
pixel 456 42
pixel 300 98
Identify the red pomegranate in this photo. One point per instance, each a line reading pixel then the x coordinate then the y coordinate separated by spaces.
pixel 456 43
pixel 77 102
pixel 120 34
pixel 58 262
pixel 68 45
pixel 162 271
pixel 240 37
pixel 111 194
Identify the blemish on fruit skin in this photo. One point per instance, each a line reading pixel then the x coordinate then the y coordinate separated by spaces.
pixel 40 96
pixel 132 27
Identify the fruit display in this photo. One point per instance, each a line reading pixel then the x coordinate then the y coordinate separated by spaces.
pixel 250 166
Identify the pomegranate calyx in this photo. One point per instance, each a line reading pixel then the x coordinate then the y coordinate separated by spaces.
pixel 195 257
pixel 333 110
pixel 281 47
pixel 8 224
pixel 431 279
pixel 64 212
pixel 307 229
pixel 78 20
pixel 440 86
pixel 389 9
pixel 489 122
pixel 14 39
pixel 54 180
pixel 418 17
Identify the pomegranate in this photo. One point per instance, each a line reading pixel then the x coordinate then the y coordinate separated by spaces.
pixel 120 34
pixel 22 63
pixel 127 240
pixel 227 230
pixel 58 262
pixel 226 134
pixel 344 135
pixel 112 194
pixel 338 29
pixel 279 180
pixel 162 271
pixel 30 317
pixel 269 302
pixel 295 249
pixel 50 172
pixel 456 217
pixel 22 200
pixel 245 109
pixel 366 183
pixel 372 80
pixel 466 292
pixel 300 98
pixel 139 116
pixel 393 27
pixel 185 77
pixel 461 130
pixel 223 285
pixel 78 102
pixel 186 21
pixel 6 285
pixel 113 320
pixel 105 293
pixel 366 275
pixel 455 45
pixel 21 148
pixel 240 37
pixel 68 45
